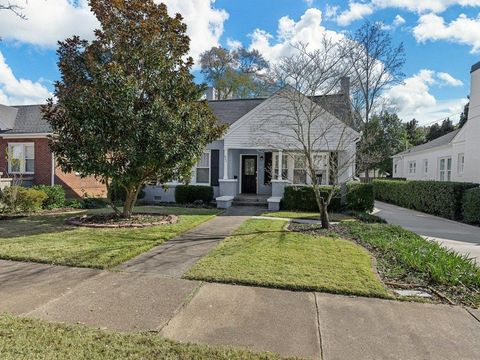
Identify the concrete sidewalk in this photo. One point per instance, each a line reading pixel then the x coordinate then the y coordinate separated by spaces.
pixel 302 324
pixel 176 256
pixel 460 237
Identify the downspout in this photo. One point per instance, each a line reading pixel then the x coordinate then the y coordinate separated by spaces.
pixel 52 175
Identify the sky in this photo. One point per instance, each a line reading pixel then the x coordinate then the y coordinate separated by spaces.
pixel 441 39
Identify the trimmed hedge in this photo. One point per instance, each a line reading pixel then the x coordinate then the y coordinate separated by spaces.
pixel 56 196
pixel 188 194
pixel 471 206
pixel 360 197
pixel 302 198
pixel 432 197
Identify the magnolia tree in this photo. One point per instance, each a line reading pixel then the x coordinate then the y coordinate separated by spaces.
pixel 301 121
pixel 127 108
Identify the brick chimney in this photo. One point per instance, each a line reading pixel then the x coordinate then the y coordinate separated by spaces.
pixel 345 85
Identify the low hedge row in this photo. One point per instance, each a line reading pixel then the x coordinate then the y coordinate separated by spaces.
pixel 360 197
pixel 439 198
pixel 55 196
pixel 188 194
pixel 471 206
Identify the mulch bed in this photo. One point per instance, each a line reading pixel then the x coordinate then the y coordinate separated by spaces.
pixel 137 220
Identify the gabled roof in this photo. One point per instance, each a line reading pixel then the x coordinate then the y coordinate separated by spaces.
pixel 7 117
pixel 229 111
pixel 441 141
pixel 28 120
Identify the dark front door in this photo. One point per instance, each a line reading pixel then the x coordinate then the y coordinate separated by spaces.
pixel 249 174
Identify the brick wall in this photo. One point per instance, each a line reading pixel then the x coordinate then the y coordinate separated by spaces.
pixel 74 185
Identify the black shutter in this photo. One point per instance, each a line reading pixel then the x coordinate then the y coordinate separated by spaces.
pixel 215 167
pixel 268 168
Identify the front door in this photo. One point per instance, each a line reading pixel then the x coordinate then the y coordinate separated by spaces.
pixel 249 174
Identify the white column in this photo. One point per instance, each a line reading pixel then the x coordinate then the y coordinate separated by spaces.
pixel 280 164
pixel 225 164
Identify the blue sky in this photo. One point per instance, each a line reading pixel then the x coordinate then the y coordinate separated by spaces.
pixel 441 38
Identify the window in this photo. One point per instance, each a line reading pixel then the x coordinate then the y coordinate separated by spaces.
pixel 299 170
pixel 425 166
pixel 284 166
pixel 395 169
pixel 412 167
pixel 461 163
pixel 21 158
pixel 202 171
pixel 446 169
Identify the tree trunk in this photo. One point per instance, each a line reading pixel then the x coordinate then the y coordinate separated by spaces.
pixel 130 200
pixel 324 215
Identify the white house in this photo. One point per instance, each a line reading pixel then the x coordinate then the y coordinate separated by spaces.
pixel 452 157
pixel 248 157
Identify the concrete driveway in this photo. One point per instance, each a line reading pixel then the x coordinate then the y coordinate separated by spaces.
pixel 455 235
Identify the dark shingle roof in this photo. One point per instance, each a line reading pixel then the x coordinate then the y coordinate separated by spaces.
pixel 442 140
pixel 229 111
pixel 29 120
pixel 7 117
pixel 338 105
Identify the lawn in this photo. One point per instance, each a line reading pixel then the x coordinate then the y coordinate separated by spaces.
pixel 335 217
pixel 22 338
pixel 46 238
pixel 262 252
pixel 405 257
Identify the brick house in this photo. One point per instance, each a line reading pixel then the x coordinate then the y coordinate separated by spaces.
pixel 24 137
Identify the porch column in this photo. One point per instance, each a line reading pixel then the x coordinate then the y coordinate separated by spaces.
pixel 225 164
pixel 280 164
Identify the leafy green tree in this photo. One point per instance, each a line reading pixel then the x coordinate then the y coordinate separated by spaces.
pixel 415 135
pixel 387 136
pixel 237 73
pixel 464 115
pixel 127 107
pixel 436 130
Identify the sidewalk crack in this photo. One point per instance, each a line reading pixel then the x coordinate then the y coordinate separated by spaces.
pixel 473 315
pixel 320 343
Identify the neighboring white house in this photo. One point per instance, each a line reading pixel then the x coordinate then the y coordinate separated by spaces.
pixel 452 157
pixel 248 158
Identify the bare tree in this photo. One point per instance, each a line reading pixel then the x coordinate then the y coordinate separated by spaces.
pixel 376 65
pixel 15 8
pixel 301 122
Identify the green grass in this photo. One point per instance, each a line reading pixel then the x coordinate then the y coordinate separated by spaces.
pixel 47 239
pixel 305 215
pixel 22 338
pixel 404 256
pixel 263 253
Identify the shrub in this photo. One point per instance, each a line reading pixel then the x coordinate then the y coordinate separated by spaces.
pixel 17 198
pixel 360 196
pixel 366 217
pixel 302 198
pixel 74 204
pixel 94 203
pixel 55 196
pixel 471 206
pixel 432 197
pixel 188 194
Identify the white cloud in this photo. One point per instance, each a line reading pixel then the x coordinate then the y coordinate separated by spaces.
pixel 422 6
pixel 355 11
pixel 233 44
pixel 49 21
pixel 398 21
pixel 308 30
pixel 15 91
pixel 449 79
pixel 463 30
pixel 413 98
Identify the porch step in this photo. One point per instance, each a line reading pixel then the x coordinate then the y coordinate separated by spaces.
pixel 250 200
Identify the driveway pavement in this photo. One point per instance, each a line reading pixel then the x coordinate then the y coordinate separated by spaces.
pixel 303 324
pixel 455 235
